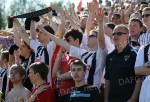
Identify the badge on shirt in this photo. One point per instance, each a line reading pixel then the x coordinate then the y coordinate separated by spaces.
pixel 126 57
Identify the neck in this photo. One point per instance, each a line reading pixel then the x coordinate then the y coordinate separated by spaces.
pixel 148 29
pixel 45 42
pixel 121 47
pixel 93 48
pixel 134 38
pixel 27 55
pixel 17 85
pixel 40 82
pixel 80 83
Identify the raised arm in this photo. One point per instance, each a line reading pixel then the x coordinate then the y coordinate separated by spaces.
pixel 56 66
pixel 17 38
pixel 32 30
pixel 24 35
pixel 72 22
pixel 89 23
pixel 74 15
pixel 61 28
pixel 58 41
pixel 100 19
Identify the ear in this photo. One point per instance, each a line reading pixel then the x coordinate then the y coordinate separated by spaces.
pixel 141 29
pixel 23 76
pixel 77 40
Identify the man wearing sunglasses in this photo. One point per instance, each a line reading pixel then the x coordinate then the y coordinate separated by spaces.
pixel 145 37
pixel 119 76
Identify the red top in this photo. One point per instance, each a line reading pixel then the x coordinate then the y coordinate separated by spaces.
pixel 65 85
pixel 47 95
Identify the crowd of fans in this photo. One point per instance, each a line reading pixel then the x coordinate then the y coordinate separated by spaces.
pixel 98 54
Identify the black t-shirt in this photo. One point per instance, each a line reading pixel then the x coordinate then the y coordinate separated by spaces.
pixel 26 62
pixel 120 73
pixel 85 93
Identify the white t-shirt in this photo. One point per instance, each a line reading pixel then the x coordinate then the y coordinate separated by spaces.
pixel 100 59
pixel 34 44
pixel 109 44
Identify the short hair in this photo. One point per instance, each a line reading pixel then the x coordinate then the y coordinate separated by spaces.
pixel 41 68
pixel 26 44
pixel 122 26
pixel 75 34
pixel 117 15
pixel 110 25
pixel 146 9
pixel 78 63
pixel 18 68
pixel 5 55
pixel 136 20
pixel 49 29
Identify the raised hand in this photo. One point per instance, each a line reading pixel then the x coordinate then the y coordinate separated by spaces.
pixel 99 14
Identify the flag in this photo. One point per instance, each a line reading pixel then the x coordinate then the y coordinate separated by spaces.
pixel 80 5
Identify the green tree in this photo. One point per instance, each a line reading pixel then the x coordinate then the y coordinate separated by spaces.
pixel 23 6
pixel 2 14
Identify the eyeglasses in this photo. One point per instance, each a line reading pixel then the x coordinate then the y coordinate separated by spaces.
pixel 92 36
pixel 145 15
pixel 118 33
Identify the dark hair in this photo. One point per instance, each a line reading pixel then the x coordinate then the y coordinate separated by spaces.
pixel 80 63
pixel 110 25
pixel 136 20
pixel 49 29
pixel 75 34
pixel 26 44
pixel 18 69
pixel 41 68
pixel 117 15
pixel 13 48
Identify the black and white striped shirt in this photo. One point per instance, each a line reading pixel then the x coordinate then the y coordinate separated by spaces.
pixel 144 39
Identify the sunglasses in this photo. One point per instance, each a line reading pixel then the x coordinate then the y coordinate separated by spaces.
pixel 118 33
pixel 145 15
pixel 92 36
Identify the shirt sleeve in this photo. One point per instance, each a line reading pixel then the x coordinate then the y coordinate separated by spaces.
pixel 140 57
pixel 76 52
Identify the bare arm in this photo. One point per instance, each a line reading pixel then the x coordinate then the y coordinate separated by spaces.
pixel 61 27
pixel 64 76
pixel 32 30
pixel 58 41
pixel 56 66
pixel 17 38
pixel 107 85
pixel 89 23
pixel 74 15
pixel 72 22
pixel 100 19
pixel 24 35
pixel 142 71
pixel 137 89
